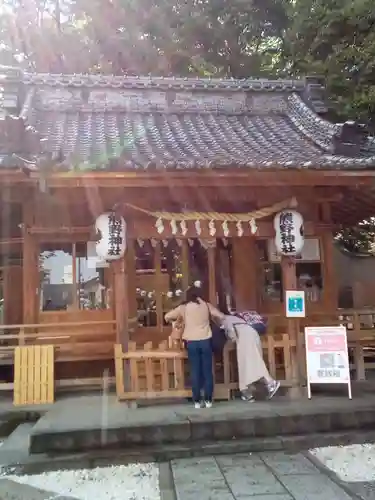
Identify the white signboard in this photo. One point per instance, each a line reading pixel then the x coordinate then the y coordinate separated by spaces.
pixel 327 356
pixel 295 304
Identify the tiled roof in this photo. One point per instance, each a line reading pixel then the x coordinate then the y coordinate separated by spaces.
pixel 103 122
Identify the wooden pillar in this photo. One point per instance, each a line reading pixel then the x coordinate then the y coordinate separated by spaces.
pixel 132 283
pixel 211 256
pixel 289 277
pixel 121 302
pixel 13 295
pixel 330 287
pixel 30 265
pixel 185 264
pixel 76 279
pixel 244 272
pixel 120 285
pixel 158 286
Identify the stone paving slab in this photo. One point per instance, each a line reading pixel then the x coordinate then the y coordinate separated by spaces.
pixel 265 476
pixel 364 491
pixel 284 464
pixel 11 490
pixel 307 487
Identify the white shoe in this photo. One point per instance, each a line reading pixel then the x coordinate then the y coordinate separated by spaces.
pixel 197 406
pixel 249 399
pixel 208 404
pixel 273 388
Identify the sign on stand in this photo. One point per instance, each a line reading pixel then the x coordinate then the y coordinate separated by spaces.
pixel 327 356
pixel 295 304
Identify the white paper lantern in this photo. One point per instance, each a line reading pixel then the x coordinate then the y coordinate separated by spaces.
pixel 289 237
pixel 112 231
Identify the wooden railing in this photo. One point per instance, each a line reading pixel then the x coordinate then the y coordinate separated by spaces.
pixel 72 341
pixel 76 341
pixel 147 371
pixel 158 371
pixel 154 372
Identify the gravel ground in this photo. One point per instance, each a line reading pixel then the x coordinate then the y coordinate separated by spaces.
pixel 354 463
pixel 131 482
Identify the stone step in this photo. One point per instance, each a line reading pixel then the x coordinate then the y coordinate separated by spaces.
pixel 58 433
pixel 39 463
pixel 16 447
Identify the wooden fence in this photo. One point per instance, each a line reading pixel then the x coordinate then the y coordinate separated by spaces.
pixel 34 382
pixel 149 372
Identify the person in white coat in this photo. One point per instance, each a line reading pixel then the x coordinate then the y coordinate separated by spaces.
pixel 242 329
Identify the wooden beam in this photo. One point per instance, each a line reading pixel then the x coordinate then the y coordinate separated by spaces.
pixel 144 228
pixel 200 178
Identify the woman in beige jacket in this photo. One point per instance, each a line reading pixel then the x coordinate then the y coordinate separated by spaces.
pixel 196 314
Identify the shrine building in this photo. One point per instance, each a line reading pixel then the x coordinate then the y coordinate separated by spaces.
pixel 186 178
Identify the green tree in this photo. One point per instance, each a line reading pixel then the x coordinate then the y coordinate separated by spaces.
pixel 336 39
pixel 360 238
pixel 229 38
pixel 200 37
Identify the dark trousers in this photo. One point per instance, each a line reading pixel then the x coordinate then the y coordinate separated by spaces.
pixel 200 360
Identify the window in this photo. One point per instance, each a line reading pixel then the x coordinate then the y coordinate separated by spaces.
pixel 71 279
pixel 91 279
pixel 308 270
pixel 56 277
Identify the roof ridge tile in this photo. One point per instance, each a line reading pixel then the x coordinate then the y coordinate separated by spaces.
pixel 144 82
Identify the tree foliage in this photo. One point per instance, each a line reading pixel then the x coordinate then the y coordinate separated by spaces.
pixel 231 38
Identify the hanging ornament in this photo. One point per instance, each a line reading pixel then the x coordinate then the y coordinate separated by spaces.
pixel 225 228
pixel 225 242
pixel 191 242
pixel 165 243
pixel 140 242
pixel 154 242
pixel 212 228
pixel 179 242
pixel 253 226
pixel 159 225
pixel 198 227
pixel 174 227
pixel 183 227
pixel 197 284
pixel 239 229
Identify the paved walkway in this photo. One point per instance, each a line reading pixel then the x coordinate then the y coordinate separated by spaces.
pixel 265 476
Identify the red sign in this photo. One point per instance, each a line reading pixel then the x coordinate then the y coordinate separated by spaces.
pixel 318 342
